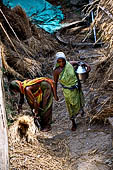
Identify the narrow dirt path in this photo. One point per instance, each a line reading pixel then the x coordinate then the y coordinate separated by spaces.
pixel 88 148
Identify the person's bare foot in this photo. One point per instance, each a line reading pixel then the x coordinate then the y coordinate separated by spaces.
pixel 82 113
pixel 73 128
pixel 46 129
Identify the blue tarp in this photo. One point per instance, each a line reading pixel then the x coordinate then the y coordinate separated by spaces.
pixel 40 12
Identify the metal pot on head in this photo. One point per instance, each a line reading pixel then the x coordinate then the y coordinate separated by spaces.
pixel 82 72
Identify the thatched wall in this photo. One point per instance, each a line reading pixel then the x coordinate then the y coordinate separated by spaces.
pixel 102 100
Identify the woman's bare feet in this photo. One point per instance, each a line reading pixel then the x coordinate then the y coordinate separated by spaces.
pixel 74 126
pixel 46 129
pixel 82 113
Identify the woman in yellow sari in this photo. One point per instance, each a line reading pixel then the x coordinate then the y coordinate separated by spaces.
pixel 39 94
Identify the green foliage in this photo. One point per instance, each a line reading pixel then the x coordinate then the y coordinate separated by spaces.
pixel 3 70
pixel 6 86
pixel 9 113
pixel 9 107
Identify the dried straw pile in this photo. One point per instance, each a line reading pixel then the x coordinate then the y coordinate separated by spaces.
pixel 102 101
pixel 24 45
pixel 43 154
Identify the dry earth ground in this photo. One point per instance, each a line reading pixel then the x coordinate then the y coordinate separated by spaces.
pixel 89 148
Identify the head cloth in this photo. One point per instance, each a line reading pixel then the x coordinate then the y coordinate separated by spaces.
pixel 59 55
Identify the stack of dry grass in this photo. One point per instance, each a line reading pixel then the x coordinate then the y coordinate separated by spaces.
pixel 20 66
pixel 43 153
pixel 23 44
pixel 104 70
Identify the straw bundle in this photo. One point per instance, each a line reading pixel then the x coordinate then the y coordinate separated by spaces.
pixel 103 114
pixel 24 44
pixel 19 21
pixel 104 69
pixel 103 18
pixel 43 154
pixel 24 128
pixel 20 66
pixel 104 21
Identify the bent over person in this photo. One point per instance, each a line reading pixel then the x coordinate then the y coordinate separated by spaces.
pixel 39 94
pixel 64 73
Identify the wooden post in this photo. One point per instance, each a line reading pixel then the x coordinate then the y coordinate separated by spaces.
pixel 4 158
